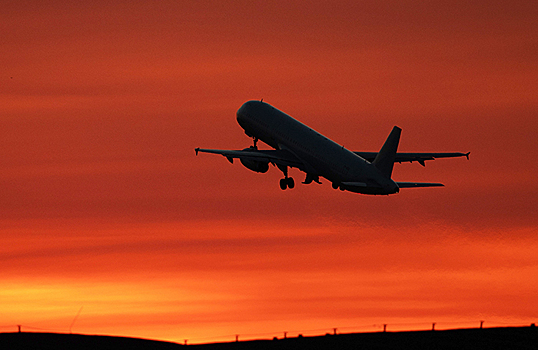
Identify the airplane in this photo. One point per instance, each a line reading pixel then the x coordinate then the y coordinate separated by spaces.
pixel 296 145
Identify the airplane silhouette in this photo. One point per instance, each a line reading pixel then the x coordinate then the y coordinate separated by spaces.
pixel 298 146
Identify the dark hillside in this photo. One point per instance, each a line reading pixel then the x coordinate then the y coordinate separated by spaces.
pixel 54 341
pixel 461 339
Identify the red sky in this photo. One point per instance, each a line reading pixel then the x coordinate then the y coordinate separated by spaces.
pixel 103 204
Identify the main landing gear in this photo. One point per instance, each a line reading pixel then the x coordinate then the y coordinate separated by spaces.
pixel 286 182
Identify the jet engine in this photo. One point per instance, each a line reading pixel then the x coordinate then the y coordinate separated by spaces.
pixel 254 165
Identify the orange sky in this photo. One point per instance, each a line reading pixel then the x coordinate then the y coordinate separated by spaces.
pixel 103 204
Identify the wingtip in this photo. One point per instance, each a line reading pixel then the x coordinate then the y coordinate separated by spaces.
pixel 196 150
pixel 467 155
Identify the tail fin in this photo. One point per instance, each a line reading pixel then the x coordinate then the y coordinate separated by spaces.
pixel 384 161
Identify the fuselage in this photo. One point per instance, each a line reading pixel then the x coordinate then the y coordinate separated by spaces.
pixel 321 156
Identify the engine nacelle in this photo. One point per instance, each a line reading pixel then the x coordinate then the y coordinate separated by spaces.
pixel 254 165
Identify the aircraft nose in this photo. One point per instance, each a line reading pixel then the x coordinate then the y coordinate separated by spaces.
pixel 243 111
pixel 245 114
pixel 240 115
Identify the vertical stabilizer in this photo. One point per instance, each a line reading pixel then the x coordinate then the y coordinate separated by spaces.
pixel 384 161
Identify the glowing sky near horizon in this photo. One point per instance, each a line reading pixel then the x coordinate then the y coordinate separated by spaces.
pixel 104 206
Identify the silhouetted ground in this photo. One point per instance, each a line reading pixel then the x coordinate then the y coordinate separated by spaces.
pixel 55 341
pixel 487 338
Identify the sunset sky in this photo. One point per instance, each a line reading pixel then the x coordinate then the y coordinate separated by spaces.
pixel 104 205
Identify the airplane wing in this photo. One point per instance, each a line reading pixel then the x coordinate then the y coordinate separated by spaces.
pixel 275 157
pixel 413 157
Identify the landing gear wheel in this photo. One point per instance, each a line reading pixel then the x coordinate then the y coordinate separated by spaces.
pixel 287 182
pixel 290 182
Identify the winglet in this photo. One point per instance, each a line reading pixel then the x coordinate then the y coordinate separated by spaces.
pixel 467 155
pixel 196 150
pixel 384 161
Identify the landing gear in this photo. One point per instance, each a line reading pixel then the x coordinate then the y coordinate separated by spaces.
pixel 309 178
pixel 255 140
pixel 291 183
pixel 287 182
pixel 338 186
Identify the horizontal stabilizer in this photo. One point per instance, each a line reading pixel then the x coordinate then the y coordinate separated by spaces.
pixel 413 157
pixel 418 184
